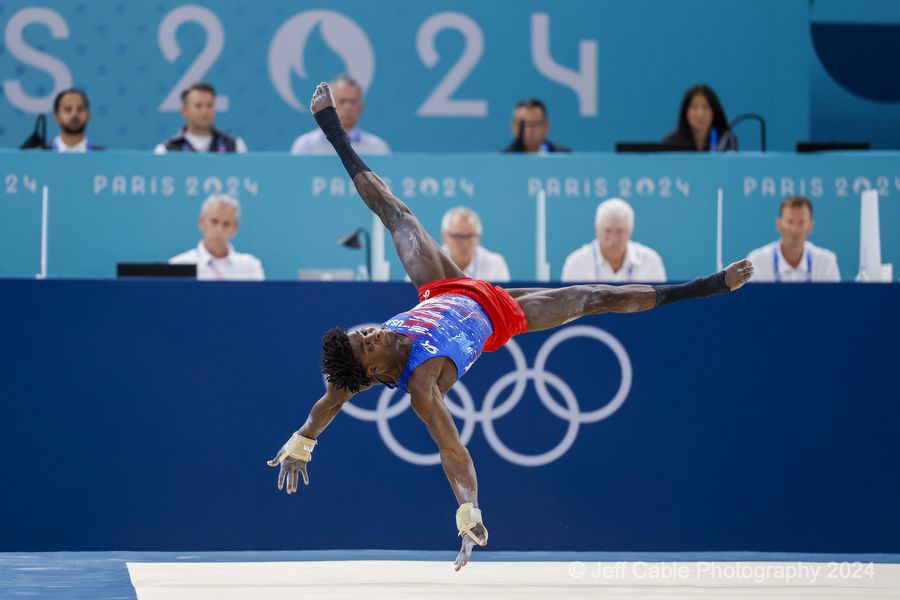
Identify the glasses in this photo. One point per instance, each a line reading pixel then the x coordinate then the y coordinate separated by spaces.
pixel 347 101
pixel 463 237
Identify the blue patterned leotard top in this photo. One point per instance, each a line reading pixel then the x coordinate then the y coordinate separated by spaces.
pixel 452 325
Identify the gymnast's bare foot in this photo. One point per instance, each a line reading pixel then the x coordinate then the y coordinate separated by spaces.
pixel 739 273
pixel 321 99
pixel 465 553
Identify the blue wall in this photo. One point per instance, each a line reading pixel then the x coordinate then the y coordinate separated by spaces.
pixel 134 207
pixel 640 56
pixel 139 415
pixel 854 90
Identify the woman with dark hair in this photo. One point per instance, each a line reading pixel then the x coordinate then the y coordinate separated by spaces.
pixel 702 125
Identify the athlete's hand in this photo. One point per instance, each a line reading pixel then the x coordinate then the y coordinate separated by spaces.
pixel 737 274
pixel 465 553
pixel 321 98
pixel 291 469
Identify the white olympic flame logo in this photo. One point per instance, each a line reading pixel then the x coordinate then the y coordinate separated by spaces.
pixel 340 33
pixel 465 410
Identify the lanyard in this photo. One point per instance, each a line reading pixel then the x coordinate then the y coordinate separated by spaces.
pixel 599 261
pixel 808 265
pixel 215 269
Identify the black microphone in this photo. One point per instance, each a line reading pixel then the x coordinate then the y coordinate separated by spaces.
pixel 753 117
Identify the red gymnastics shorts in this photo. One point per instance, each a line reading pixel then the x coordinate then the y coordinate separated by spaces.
pixel 505 313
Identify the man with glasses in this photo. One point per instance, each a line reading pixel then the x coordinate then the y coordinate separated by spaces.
pixel 530 125
pixel 348 97
pixel 461 233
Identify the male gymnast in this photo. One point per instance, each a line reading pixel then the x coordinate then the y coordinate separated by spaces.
pixel 423 351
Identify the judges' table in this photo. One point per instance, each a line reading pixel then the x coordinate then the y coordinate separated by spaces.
pixel 134 207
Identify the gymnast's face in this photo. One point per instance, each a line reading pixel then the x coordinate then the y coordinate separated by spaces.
pixel 376 349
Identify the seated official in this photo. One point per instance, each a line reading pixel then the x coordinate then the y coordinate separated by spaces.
pixel 72 113
pixel 530 125
pixel 198 107
pixel 461 233
pixel 215 257
pixel 613 256
pixel 793 258
pixel 702 124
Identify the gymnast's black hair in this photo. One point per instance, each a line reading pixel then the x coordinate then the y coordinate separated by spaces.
pixel 339 364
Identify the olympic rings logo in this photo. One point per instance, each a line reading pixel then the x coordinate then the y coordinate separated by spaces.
pixel 465 409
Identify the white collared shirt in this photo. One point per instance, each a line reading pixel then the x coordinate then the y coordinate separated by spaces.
pixel 236 266
pixel 587 264
pixel 315 142
pixel 485 265
pixel 60 146
pixel 816 264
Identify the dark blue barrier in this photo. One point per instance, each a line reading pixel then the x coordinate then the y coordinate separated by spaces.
pixel 139 416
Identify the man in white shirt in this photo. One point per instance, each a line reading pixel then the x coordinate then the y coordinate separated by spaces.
pixel 348 95
pixel 461 233
pixel 198 107
pixel 72 113
pixel 793 258
pixel 613 256
pixel 214 256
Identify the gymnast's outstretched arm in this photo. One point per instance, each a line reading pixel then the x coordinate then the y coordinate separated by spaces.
pixel 296 453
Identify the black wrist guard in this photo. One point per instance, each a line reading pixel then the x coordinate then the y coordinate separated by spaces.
pixel 699 288
pixel 330 124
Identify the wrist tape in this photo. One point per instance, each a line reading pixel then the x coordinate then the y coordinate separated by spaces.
pixel 467 517
pixel 300 447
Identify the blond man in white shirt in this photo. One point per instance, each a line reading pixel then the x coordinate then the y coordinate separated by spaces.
pixel 461 233
pixel 348 97
pixel 613 256
pixel 793 258
pixel 215 257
